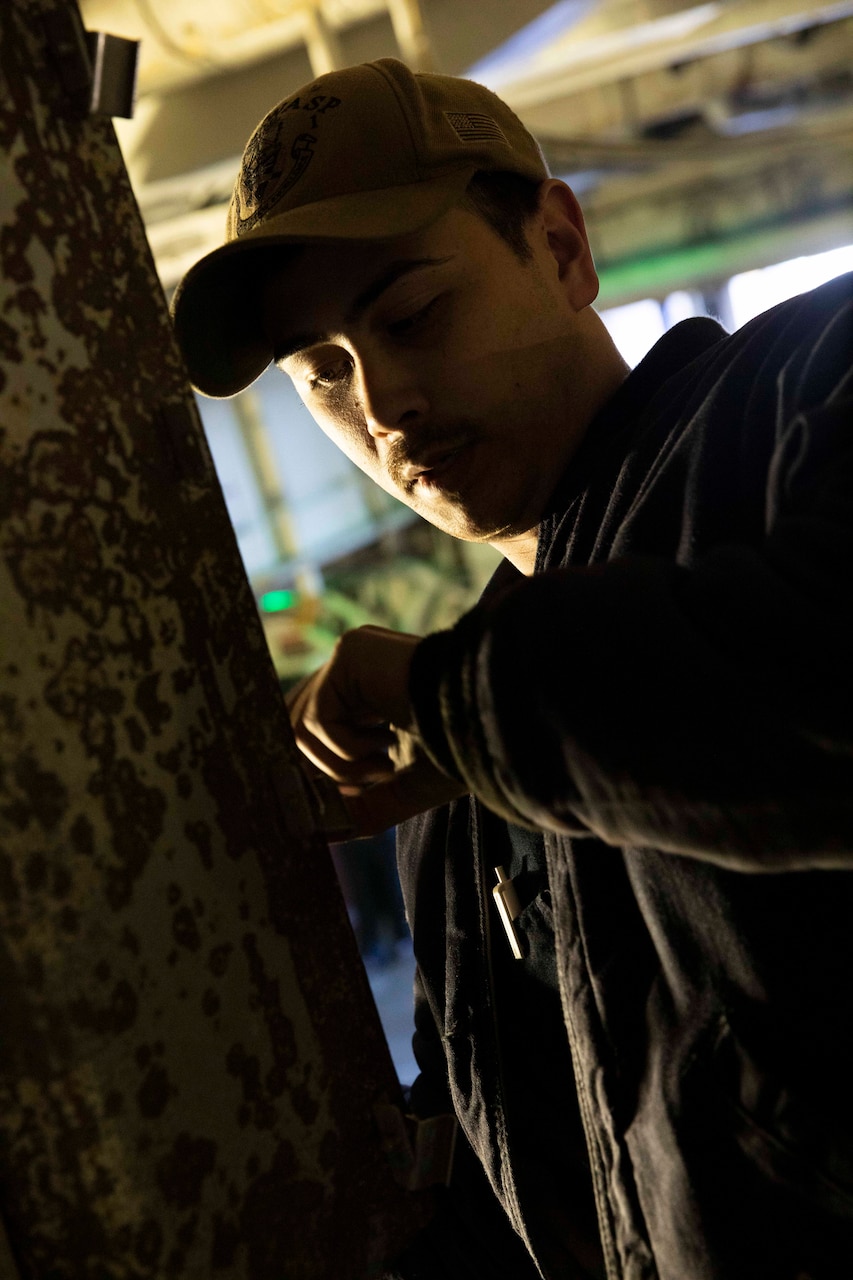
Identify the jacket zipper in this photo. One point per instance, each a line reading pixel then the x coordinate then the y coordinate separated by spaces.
pixel 605 1229
pixel 500 1116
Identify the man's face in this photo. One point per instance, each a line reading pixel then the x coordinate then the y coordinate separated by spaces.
pixel 451 372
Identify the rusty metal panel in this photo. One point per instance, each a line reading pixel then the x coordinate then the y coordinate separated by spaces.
pixel 189 1053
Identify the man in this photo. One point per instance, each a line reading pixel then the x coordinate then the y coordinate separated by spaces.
pixel 643 731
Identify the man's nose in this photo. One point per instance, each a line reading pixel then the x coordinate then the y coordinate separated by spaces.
pixel 393 397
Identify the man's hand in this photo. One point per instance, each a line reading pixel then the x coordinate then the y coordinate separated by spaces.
pixel 352 719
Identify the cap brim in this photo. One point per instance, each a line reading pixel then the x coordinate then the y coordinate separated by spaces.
pixel 216 306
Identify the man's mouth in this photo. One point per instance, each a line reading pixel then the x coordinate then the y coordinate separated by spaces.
pixel 426 474
pixel 431 468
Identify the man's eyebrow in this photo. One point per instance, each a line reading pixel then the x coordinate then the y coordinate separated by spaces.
pixel 392 273
pixel 291 346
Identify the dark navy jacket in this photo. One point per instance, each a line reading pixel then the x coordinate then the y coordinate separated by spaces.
pixel 668 703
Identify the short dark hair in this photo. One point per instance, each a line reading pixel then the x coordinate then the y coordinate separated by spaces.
pixel 507 202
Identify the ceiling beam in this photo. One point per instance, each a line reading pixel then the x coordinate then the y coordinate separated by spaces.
pixel 623 106
pixel 184 41
pixel 578 64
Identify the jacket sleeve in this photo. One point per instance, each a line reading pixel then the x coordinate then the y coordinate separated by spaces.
pixel 703 708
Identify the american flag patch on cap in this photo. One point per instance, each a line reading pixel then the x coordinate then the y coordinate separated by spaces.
pixel 473 127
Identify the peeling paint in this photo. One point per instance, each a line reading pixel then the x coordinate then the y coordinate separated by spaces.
pixel 186 1083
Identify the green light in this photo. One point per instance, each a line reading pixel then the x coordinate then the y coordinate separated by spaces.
pixel 655 274
pixel 277 601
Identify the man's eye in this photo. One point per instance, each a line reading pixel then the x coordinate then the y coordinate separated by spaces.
pixel 407 324
pixel 329 375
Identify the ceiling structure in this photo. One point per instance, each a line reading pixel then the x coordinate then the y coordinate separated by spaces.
pixel 702 138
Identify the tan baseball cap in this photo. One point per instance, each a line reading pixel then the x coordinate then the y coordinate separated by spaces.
pixel 365 153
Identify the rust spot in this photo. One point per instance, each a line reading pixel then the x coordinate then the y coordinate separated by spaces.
pixel 181 1173
pixel 41 795
pixel 175 1263
pixel 200 835
pixel 80 692
pixel 217 961
pixel 135 813
pixel 153 1094
pixel 185 930
pixel 226 1240
pixel 69 920
pixel 9 348
pixel 117 1016
pixel 135 733
pixel 330 1151
pixel 59 468
pixel 187 1230
pixel 137 632
pixel 148 1244
pixel 113 1103
pixel 279 1208
pixel 59 565
pixel 82 835
pixel 130 941
pixel 10 721
pixel 280 1027
pixel 151 557
pixel 156 713
pixel 183 679
pixel 210 1003
pixel 10 890
pixel 34 971
pixel 35 872
pixel 265 1114
pixel 247 1068
pixel 170 760
pixel 62 882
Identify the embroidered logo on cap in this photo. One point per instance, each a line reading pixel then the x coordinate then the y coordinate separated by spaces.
pixel 473 127
pixel 270 166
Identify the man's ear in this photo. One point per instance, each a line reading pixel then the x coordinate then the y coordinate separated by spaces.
pixel 560 220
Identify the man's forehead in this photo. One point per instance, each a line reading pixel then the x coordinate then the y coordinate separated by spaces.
pixel 329 268
pixel 326 285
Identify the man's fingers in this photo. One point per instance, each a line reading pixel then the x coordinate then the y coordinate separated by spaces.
pixel 344 751
pixel 366 768
pixel 346 742
pixel 342 714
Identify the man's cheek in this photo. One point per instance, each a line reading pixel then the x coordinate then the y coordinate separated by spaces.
pixel 353 439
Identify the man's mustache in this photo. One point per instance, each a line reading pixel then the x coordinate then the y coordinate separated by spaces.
pixel 424 446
